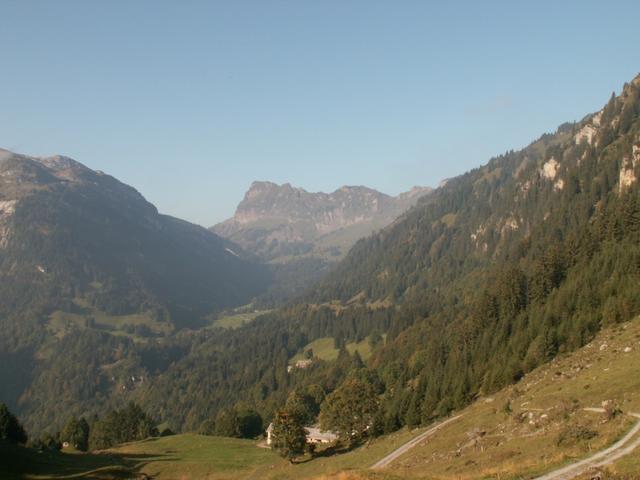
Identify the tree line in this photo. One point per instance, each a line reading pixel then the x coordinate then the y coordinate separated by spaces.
pixel 128 424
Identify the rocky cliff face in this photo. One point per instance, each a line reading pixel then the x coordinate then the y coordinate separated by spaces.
pixel 278 221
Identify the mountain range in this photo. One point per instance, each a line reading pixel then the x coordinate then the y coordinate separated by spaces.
pixel 492 274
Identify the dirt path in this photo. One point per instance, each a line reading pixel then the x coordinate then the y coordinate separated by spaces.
pixel 410 444
pixel 622 447
pixel 619 449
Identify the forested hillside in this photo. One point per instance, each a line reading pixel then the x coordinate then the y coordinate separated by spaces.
pixel 88 268
pixel 496 272
pixel 509 264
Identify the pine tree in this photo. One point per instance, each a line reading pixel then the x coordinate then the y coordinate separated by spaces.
pixel 76 432
pixel 10 428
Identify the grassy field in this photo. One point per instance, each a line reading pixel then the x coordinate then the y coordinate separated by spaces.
pixel 324 349
pixel 181 457
pixel 21 463
pixel 237 319
pixel 357 460
pixel 195 456
pixel 60 322
pixel 191 457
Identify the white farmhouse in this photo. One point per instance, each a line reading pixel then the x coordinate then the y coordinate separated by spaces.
pixel 314 435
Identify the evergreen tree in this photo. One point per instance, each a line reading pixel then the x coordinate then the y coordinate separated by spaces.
pixel 10 427
pixel 226 423
pixel 76 432
pixel 240 421
pixel 249 423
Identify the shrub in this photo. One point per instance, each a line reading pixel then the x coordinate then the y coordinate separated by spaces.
pixel 575 433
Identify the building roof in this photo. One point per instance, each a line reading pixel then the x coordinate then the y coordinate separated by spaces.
pixel 313 433
pixel 317 434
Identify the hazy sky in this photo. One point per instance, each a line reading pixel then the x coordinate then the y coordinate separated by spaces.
pixel 191 101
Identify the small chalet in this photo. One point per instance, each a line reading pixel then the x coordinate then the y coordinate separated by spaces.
pixel 314 435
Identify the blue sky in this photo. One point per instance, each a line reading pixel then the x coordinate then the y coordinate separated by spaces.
pixel 191 101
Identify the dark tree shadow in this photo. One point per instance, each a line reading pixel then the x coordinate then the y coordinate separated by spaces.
pixel 329 451
pixel 20 462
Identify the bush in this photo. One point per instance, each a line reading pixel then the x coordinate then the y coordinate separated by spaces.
pixel 126 425
pixel 611 410
pixel 575 433
pixel 208 427
pixel 46 442
pixel 239 422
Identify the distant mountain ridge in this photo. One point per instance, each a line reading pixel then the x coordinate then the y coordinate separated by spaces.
pixel 74 239
pixel 302 234
pixel 278 221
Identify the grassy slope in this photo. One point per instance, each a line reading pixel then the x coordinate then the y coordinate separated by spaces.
pixel 627 468
pixel 492 442
pixel 195 456
pixel 60 322
pixel 356 460
pixel 22 463
pixel 178 457
pixel 191 457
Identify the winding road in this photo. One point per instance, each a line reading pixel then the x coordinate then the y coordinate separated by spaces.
pixel 410 444
pixel 622 447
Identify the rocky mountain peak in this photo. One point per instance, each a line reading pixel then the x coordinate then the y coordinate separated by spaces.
pixel 22 175
pixel 274 218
